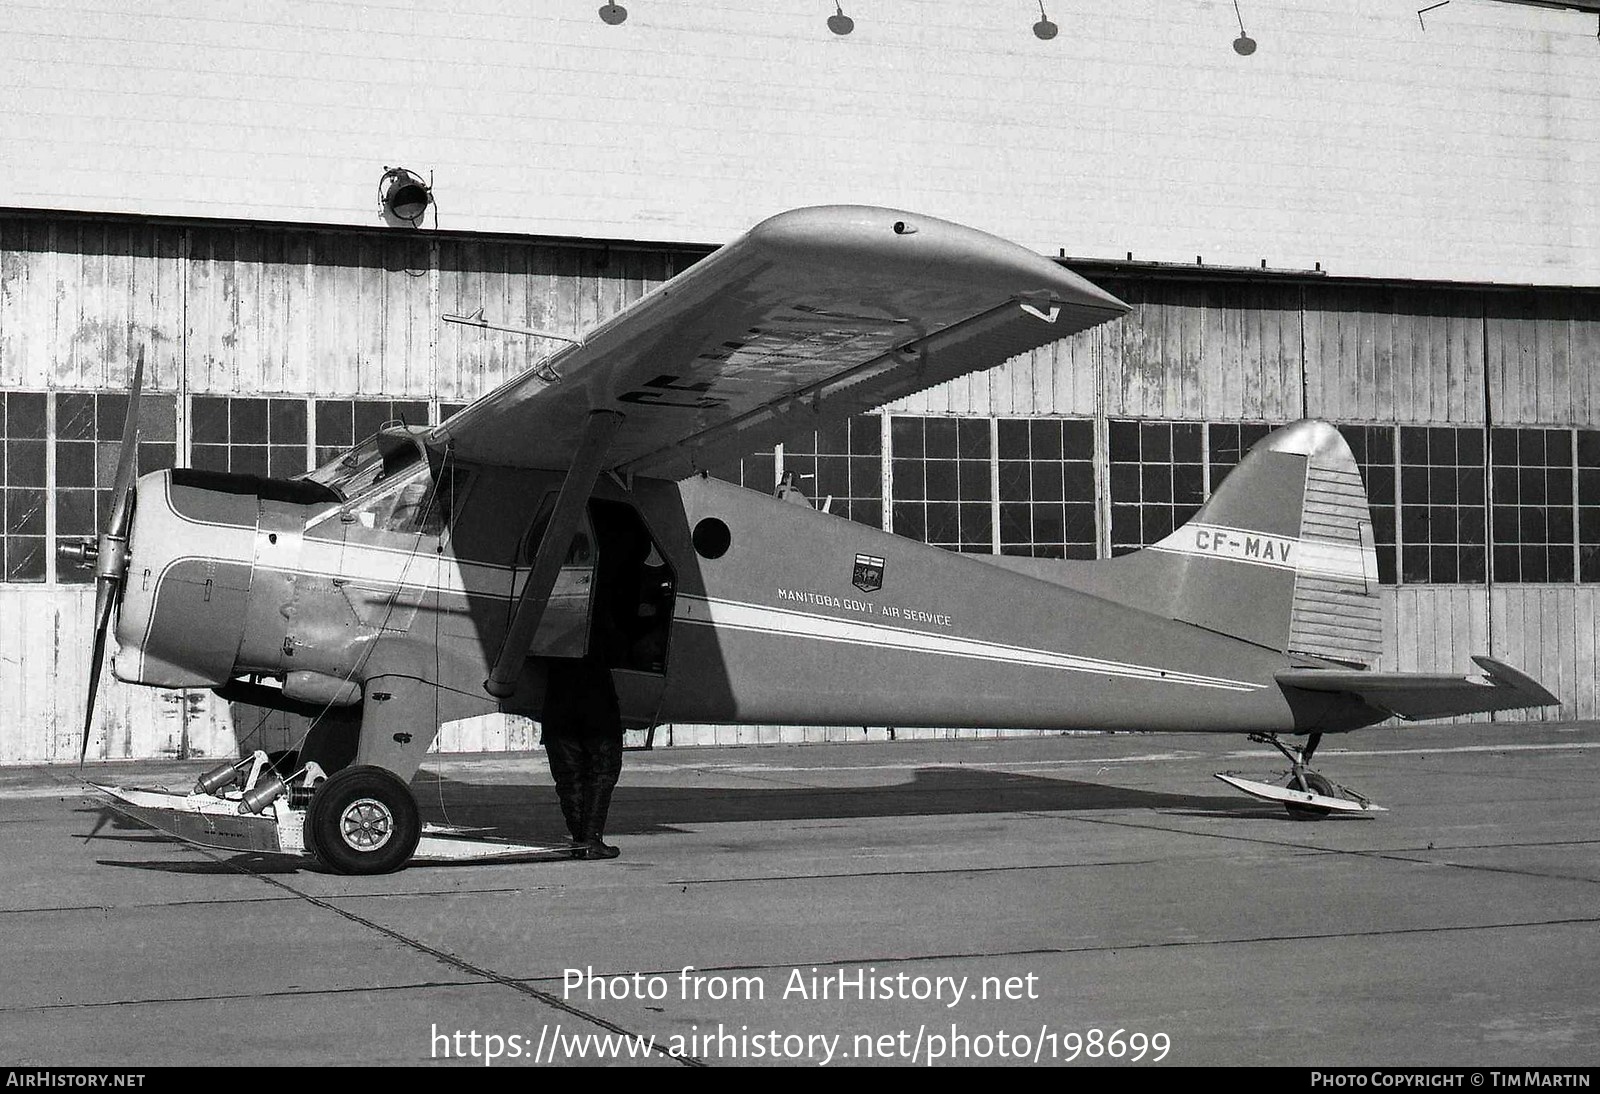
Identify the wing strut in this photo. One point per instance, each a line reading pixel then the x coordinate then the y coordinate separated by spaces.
pixel 598 430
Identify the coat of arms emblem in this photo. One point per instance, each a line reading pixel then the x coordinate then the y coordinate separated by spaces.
pixel 868 576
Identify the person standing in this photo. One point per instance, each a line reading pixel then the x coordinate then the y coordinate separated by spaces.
pixel 583 743
pixel 582 720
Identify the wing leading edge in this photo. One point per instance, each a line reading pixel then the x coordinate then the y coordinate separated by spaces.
pixel 812 316
pixel 1413 695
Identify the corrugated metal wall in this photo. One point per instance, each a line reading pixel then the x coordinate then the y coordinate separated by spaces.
pixel 253 310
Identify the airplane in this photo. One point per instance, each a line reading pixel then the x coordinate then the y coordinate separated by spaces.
pixel 433 574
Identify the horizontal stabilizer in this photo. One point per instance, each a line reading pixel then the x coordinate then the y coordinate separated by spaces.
pixel 1416 695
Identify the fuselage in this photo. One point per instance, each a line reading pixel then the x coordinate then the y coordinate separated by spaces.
pixel 710 602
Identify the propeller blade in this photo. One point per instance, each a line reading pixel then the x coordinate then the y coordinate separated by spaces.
pixel 104 600
pixel 128 458
pixel 111 561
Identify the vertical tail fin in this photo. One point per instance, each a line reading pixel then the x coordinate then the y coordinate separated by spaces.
pixel 1282 554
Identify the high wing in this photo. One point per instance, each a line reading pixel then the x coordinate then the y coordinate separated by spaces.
pixel 1413 695
pixel 812 316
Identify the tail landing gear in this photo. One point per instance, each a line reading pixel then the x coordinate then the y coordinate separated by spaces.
pixel 1301 777
pixel 1307 795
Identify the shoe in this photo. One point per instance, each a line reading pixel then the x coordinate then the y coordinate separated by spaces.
pixel 598 848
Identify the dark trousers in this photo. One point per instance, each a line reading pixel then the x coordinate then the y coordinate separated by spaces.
pixel 583 743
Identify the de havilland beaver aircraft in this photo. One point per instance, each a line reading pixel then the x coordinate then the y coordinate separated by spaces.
pixel 434 574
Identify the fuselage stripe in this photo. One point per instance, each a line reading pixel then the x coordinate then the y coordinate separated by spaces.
pixel 735 615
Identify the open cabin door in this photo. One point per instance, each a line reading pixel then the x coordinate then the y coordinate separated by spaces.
pixel 613 600
pixel 564 627
pixel 636 591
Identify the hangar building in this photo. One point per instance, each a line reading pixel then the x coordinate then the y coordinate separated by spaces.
pixel 1338 208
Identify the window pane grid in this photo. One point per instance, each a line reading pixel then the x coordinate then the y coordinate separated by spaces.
pixel 1532 521
pixel 1157 480
pixel 1047 495
pixel 23 417
pixel 842 467
pixel 1450 504
pixel 755 472
pixel 342 423
pixel 88 444
pixel 942 492
pixel 1442 506
pixel 263 436
pixel 1588 529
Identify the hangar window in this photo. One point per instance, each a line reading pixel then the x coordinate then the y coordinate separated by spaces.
pixel 22 485
pixel 249 436
pixel 941 485
pixel 1442 510
pixel 1373 448
pixel 1588 455
pixel 1226 444
pixel 845 463
pixel 88 441
pixel 757 471
pixel 1531 485
pixel 1157 475
pixel 343 423
pixel 1047 493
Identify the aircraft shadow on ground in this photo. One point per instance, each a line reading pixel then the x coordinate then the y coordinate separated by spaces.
pixel 524 812
pixel 530 812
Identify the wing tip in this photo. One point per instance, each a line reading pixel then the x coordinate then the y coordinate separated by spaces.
pixel 947 249
pixel 1503 675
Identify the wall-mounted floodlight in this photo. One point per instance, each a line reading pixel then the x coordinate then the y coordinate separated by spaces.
pixel 1044 29
pixel 1244 45
pixel 403 196
pixel 613 15
pixel 839 22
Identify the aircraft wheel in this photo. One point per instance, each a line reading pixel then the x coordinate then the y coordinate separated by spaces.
pixel 363 820
pixel 1317 785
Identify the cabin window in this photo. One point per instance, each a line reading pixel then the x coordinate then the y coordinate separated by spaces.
pixel 417 504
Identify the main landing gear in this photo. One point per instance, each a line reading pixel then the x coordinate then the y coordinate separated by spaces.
pixel 359 820
pixel 362 820
pixel 1307 795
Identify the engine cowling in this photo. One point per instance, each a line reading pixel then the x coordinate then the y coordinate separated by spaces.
pixel 188 580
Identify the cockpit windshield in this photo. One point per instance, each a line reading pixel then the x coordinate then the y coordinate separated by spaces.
pixel 379 456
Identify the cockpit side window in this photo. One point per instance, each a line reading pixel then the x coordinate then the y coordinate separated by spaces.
pixel 379 457
pixel 415 504
pixel 398 509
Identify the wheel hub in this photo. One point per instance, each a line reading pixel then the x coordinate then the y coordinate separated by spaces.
pixel 366 824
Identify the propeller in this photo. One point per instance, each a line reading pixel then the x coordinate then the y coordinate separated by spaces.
pixel 109 555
